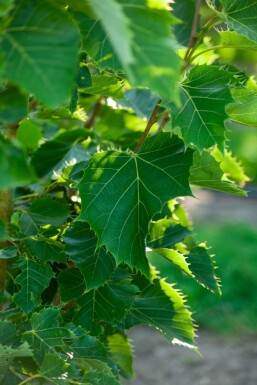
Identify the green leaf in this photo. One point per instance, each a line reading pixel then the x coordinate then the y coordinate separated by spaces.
pixel 103 85
pixel 95 265
pixel 46 335
pixel 55 154
pixel 244 109
pixel 241 16
pixel 13 105
pixel 201 266
pixel 230 39
pixel 163 234
pixel 89 347
pixel 8 252
pixel 121 191
pixel 183 10
pixel 7 333
pixel 33 279
pixel 45 249
pixel 41 47
pixel 14 169
pixel 29 134
pixel 8 354
pixel 121 352
pixel 206 172
pixel 55 369
pixel 142 101
pixel 5 7
pixel 155 63
pixel 42 212
pixel 108 303
pixel 71 284
pixel 204 94
pixel 161 306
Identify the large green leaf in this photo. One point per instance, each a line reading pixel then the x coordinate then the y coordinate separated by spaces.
pixel 244 109
pixel 161 306
pixel 205 93
pixel 42 212
pixel 95 265
pixel 121 191
pixel 121 352
pixel 241 16
pixel 33 279
pixel 206 172
pixel 155 63
pixel 108 303
pixel 41 47
pixel 14 169
pixel 55 154
pixel 46 335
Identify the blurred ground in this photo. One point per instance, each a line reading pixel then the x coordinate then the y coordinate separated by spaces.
pixel 229 359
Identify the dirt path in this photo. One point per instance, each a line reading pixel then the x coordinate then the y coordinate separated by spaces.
pixel 224 361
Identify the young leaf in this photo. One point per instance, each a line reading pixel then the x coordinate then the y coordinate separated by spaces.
pixel 33 279
pixel 230 39
pixel 244 109
pixel 121 191
pixel 121 352
pixel 204 93
pixel 46 335
pixel 241 16
pixel 95 265
pixel 39 40
pixel 161 306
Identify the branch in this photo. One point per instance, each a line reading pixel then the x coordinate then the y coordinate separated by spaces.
pixel 150 123
pixel 95 111
pixel 194 28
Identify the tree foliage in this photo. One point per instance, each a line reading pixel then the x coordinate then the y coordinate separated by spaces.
pixel 110 112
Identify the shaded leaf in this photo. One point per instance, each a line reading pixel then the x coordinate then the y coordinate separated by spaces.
pixel 45 249
pixel 8 252
pixel 89 347
pixel 7 333
pixel 142 101
pixel 204 94
pixel 121 191
pixel 71 284
pixel 39 40
pixel 183 10
pixel 33 279
pixel 13 105
pixel 55 369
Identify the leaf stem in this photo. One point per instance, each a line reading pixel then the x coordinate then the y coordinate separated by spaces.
pixel 218 47
pixel 194 28
pixel 150 123
pixel 96 109
pixel 29 379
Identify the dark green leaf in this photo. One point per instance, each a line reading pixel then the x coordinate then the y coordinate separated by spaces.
pixel 41 47
pixel 8 252
pixel 55 369
pixel 121 191
pixel 164 234
pixel 7 333
pixel 89 347
pixel 142 101
pixel 33 279
pixel 71 284
pixel 42 212
pixel 5 7
pixel 205 93
pixel 46 335
pixel 81 246
pixel 45 249
pixel 183 10
pixel 14 169
pixel 241 16
pixel 13 105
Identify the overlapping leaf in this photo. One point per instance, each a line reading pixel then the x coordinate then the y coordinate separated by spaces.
pixel 95 265
pixel 13 105
pixel 121 191
pixel 33 279
pixel 121 352
pixel 230 39
pixel 38 41
pixel 47 250
pixel 244 109
pixel 204 93
pixel 184 10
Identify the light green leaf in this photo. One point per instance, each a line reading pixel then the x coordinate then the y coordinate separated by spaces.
pixel 121 191
pixel 206 172
pixel 45 249
pixel 14 169
pixel 45 335
pixel 103 85
pixel 8 252
pixel 230 39
pixel 33 279
pixel 161 306
pixel 241 16
pixel 155 63
pixel 29 134
pixel 55 154
pixel 13 105
pixel 204 93
pixel 41 47
pixel 244 109
pixel 121 352
pixel 81 246
pixel 108 303
pixel 71 284
pixel 5 7
pixel 42 212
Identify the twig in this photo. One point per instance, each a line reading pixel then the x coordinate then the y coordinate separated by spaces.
pixel 194 28
pixel 150 123
pixel 96 109
pixel 29 379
